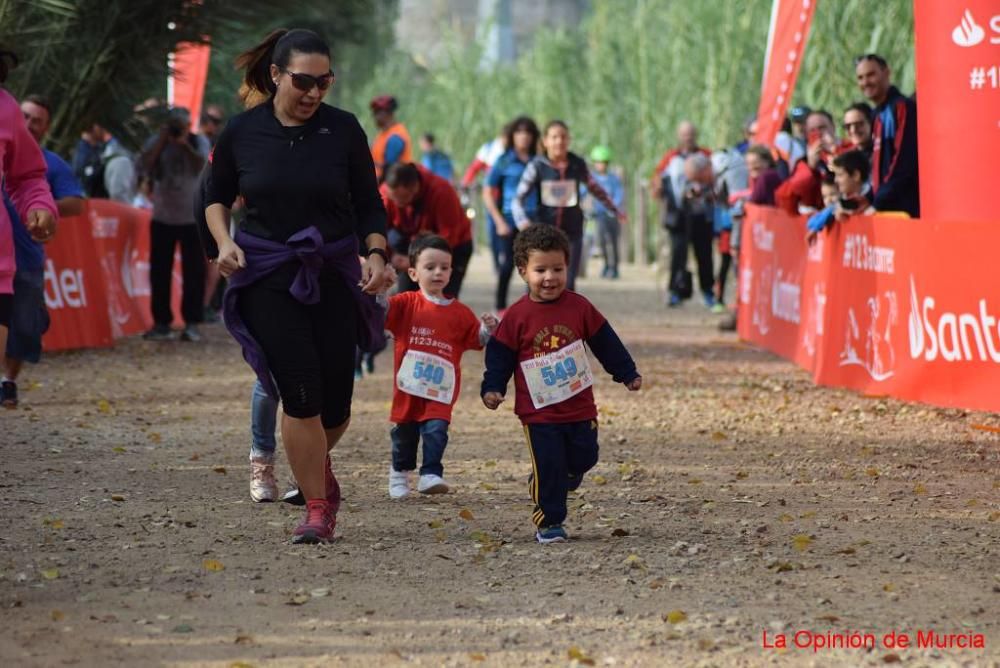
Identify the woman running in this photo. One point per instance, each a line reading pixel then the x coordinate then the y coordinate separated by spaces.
pixel 299 301
pixel 556 177
pixel 521 137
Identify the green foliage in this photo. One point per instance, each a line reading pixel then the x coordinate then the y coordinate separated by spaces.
pixel 95 59
pixel 635 69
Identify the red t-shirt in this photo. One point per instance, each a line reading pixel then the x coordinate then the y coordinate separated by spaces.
pixel 532 329
pixel 437 209
pixel 447 331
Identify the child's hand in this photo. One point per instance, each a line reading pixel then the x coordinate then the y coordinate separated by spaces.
pixel 492 400
pixel 811 237
pixel 635 384
pixel 489 321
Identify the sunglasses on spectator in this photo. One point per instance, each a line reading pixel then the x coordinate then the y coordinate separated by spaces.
pixel 871 56
pixel 305 82
pixel 856 126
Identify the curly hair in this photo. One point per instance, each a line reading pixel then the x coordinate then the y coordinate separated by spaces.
pixel 539 237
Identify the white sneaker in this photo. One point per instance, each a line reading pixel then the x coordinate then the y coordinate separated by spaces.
pixel 432 484
pixel 399 483
pixel 263 486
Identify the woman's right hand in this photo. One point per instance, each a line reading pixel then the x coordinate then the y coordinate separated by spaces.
pixel 503 229
pixel 230 258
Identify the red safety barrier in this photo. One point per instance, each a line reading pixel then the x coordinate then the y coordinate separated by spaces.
pixel 97 277
pixel 883 305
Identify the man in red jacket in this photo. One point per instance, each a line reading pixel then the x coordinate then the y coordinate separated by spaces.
pixel 416 200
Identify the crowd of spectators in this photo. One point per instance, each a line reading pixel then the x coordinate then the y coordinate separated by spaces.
pixel 809 168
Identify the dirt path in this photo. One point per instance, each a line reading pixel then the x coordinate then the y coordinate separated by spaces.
pixel 733 500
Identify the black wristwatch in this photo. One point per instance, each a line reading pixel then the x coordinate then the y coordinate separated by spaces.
pixel 380 252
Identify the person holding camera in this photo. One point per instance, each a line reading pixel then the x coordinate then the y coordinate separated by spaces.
pixel 173 160
pixel 800 193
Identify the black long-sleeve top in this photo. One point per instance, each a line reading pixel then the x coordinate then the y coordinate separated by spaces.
pixel 319 174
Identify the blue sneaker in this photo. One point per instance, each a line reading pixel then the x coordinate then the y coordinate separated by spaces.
pixel 674 300
pixel 709 299
pixel 552 534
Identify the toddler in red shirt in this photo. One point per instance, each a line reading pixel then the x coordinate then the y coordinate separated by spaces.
pixel 540 342
pixel 431 332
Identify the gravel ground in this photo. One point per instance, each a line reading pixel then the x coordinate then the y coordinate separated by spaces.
pixel 735 505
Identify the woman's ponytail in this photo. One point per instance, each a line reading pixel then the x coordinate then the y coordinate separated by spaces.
pixel 256 66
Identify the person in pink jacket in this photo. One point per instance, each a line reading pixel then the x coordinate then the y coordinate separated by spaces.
pixel 22 171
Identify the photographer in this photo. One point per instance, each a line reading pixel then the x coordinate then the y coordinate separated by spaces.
pixel 693 227
pixel 801 191
pixel 851 171
pixel 172 160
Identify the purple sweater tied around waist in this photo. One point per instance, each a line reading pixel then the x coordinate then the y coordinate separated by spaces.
pixel 308 249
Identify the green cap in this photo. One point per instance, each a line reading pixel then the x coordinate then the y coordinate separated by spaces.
pixel 600 153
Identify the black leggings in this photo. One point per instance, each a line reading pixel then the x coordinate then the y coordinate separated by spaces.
pixel 506 267
pixel 6 307
pixel 309 348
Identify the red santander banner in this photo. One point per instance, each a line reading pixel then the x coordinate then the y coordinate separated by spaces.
pixel 886 306
pixel 97 277
pixel 958 126
pixel 189 73
pixel 786 42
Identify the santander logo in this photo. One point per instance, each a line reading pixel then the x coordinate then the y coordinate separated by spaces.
pixel 954 337
pixel 967 33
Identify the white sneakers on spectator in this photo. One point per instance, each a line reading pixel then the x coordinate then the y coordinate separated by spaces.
pixel 263 486
pixel 432 484
pixel 399 483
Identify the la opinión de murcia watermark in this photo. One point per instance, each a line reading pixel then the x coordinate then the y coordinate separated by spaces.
pixel 818 641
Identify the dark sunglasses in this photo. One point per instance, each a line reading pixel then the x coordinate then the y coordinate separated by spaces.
pixel 871 56
pixel 305 82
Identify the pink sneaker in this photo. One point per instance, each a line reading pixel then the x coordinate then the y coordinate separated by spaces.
pixel 317 527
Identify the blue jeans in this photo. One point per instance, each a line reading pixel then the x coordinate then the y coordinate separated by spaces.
pixel 406 436
pixel 263 422
pixel 496 244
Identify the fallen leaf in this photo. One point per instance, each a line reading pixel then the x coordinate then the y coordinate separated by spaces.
pixel 241 664
pixel 828 618
pixel 971 503
pixel 53 523
pixel 213 565
pixel 801 542
pixel 435 524
pixel 987 427
pixel 694 481
pixel 477 657
pixel 195 457
pixel 919 488
pixel 117 497
pixel 742 475
pixel 718 436
pixel 618 533
pixel 675 616
pixel 243 640
pixel 785 517
pixel 871 472
pixel 219 469
pixel 577 654
pixel 119 449
pixel 488 486
pixel 104 406
pixel 634 561
pixel 889 587
pixel 50 573
pixel 891 657
pixel 57 615
pixel 298 599
pixel 440 535
pixel 466 515
pixel 182 628
pixel 599 480
pixel 155 437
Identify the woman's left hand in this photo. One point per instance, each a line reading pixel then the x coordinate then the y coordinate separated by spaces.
pixel 41 225
pixel 372 274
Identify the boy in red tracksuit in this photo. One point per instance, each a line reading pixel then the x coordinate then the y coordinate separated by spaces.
pixel 431 332
pixel 540 341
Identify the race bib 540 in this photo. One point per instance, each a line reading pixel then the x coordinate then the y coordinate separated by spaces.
pixel 426 375
pixel 556 377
